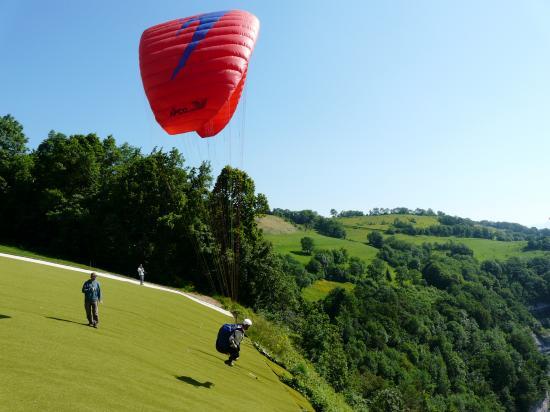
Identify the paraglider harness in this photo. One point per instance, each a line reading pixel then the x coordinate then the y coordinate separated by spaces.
pixel 225 332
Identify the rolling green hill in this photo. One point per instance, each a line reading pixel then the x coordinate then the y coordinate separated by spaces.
pixel 153 351
pixel 357 229
pixel 286 237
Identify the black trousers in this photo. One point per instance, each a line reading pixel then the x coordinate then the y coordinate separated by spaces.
pixel 233 354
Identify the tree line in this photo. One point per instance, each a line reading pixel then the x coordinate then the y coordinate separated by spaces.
pixel 93 201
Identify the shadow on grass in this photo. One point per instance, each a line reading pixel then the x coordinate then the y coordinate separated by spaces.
pixel 4 316
pixel 194 382
pixel 236 365
pixel 66 320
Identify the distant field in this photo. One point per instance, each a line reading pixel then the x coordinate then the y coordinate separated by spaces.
pixel 154 351
pixel 483 248
pixel 321 288
pixel 357 229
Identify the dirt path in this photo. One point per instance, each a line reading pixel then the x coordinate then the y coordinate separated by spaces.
pixel 200 299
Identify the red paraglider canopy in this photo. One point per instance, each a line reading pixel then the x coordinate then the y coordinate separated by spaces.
pixel 194 69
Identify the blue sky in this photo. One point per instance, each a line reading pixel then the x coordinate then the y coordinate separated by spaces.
pixel 348 105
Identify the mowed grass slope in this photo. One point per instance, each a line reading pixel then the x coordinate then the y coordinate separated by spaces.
pixel 154 350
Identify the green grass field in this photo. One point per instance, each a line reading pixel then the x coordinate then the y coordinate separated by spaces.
pixel 290 243
pixel 154 351
pixel 286 239
pixel 321 288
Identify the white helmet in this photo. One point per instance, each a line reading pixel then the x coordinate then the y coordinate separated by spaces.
pixel 247 322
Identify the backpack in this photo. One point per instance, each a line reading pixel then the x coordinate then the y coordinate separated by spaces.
pixel 222 341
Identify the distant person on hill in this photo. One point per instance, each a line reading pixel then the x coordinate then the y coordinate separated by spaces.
pixel 229 340
pixel 141 273
pixel 92 297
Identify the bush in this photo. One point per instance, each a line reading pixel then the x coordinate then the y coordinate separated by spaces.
pixel 375 239
pixel 330 227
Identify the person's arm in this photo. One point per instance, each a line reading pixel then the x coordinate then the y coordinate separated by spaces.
pixel 99 293
pixel 84 287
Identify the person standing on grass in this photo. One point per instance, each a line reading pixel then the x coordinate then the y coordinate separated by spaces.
pixel 141 273
pixel 92 298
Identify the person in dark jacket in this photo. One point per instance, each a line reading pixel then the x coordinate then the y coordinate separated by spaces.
pixel 92 298
pixel 230 338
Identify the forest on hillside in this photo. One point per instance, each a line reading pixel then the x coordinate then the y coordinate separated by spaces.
pixel 426 327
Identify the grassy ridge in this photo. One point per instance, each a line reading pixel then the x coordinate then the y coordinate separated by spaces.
pixel 383 222
pixel 154 350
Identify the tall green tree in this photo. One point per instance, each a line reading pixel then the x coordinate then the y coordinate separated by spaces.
pixel 307 245
pixel 15 180
pixel 67 173
pixel 143 217
pixel 234 206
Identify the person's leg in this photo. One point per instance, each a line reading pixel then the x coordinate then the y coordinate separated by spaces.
pixel 141 280
pixel 233 355
pixel 95 310
pixel 88 309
